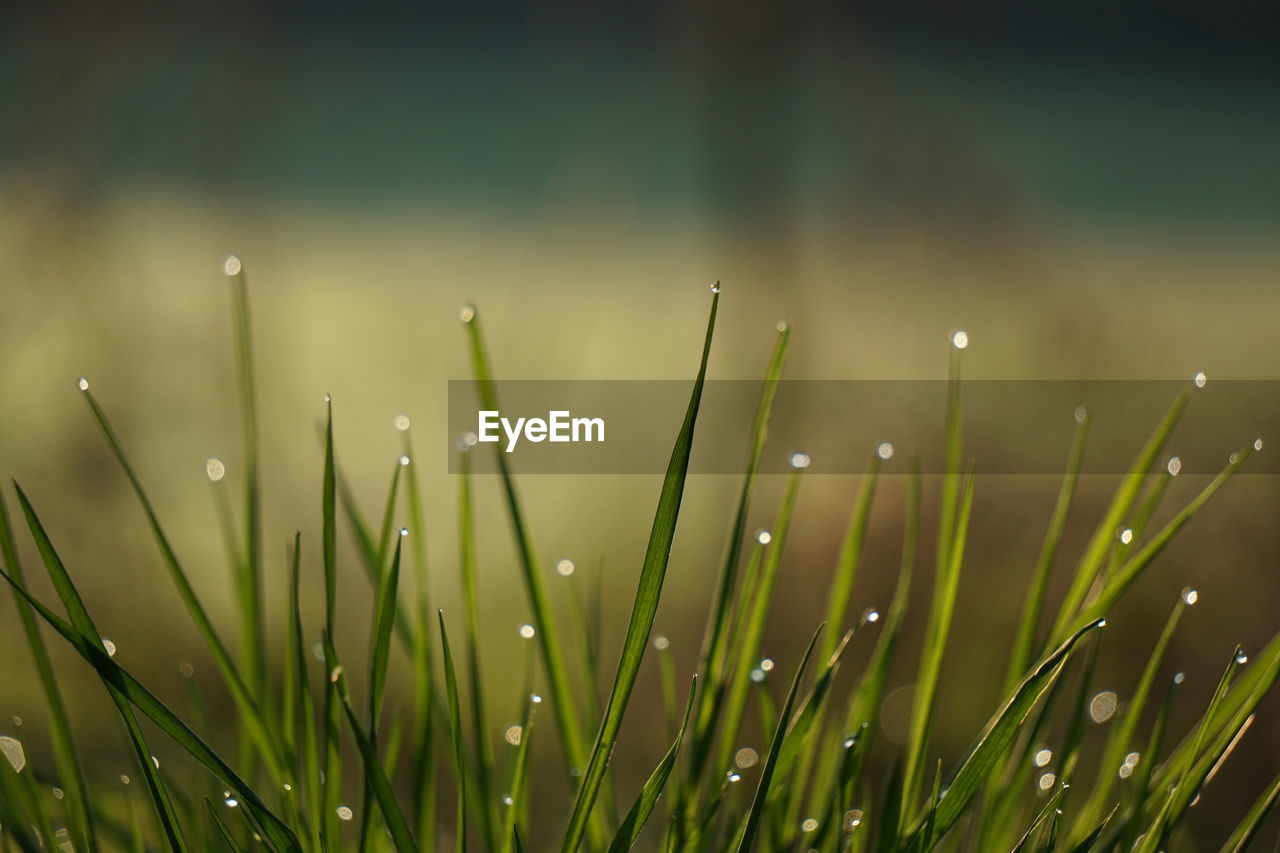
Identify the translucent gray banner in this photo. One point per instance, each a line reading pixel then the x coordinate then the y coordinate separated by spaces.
pixel 1011 426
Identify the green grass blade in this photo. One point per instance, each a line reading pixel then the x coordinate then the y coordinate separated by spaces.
pixel 331 743
pixel 648 591
pixel 519 783
pixel 715 645
pixel 251 592
pixel 1049 808
pixel 18 818
pixel 999 734
pixel 66 758
pixel 455 723
pixel 748 630
pixel 1247 830
pixel 1090 841
pixel 1121 504
pixel 384 617
pixel 553 656
pixel 806 731
pixel 1128 573
pixel 120 682
pixel 247 706
pixel 850 554
pixel 1024 642
pixel 304 703
pixel 643 807
pixel 946 588
pixel 397 824
pixel 86 632
pixel 756 813
pixel 1123 734
pixel 471 598
pixel 224 832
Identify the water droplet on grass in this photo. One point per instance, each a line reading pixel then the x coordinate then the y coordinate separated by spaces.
pixel 757 675
pixel 1200 379
pixel 870 615
pixel 513 734
pixel 746 757
pixel 404 461
pixel 401 422
pixel 800 461
pixel 565 567
pixel 1046 780
pixel 960 339
pixel 404 531
pixel 109 646
pixel 82 384
pixel 1043 757
pixel 1103 706
pixel 809 825
pixel 764 537
pixel 508 800
pixel 335 673
pixel 1190 595
pixel 229 799
pixel 11 749
pixel 661 643
pixel 852 819
pixel 1257 444
pixel 1125 536
pixel 884 450
pixel 1174 466
pixel 58 793
pixel 232 265
pixel 214 469
pixel 1241 658
pixel 1179 677
pixel 527 631
pixel 782 326
pixel 345 813
pixel 1082 414
pixel 766 664
pixel 467 314
pixel 715 288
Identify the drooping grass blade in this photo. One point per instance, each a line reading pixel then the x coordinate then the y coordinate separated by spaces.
pixel 85 631
pixel 66 758
pixel 756 813
pixel 643 807
pixel 248 707
pixel 643 611
pixel 997 735
pixel 120 681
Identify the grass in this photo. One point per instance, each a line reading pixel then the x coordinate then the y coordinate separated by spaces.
pixel 809 791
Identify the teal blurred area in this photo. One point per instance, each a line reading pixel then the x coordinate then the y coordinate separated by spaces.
pixel 1091 193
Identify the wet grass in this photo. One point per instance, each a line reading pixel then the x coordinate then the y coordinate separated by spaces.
pixel 1019 787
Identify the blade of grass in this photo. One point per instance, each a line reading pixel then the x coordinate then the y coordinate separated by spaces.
pixel 1049 808
pixel 397 825
pixel 850 554
pixel 304 703
pixel 247 706
pixel 1249 827
pixel 66 758
pixel 553 657
pixel 1121 503
pixel 643 611
pixel 224 832
pixel 86 631
pixel 379 658
pixel 643 807
pixel 331 744
pixel 756 813
pixel 519 778
pixel 998 734
pixel 455 724
pixel 945 590
pixel 1024 642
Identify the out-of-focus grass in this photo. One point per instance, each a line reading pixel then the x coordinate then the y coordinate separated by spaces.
pixel 1032 744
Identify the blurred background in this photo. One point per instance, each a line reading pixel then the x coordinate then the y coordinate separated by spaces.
pixel 1089 190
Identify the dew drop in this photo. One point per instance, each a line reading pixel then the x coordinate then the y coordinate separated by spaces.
pixel 849 741
pixel 565 567
pixel 1082 414
pixel 1174 466
pixel 513 734
pixel 764 537
pixel 508 800
pixel 782 326
pixel 58 793
pixel 214 469
pixel 800 461
pixel 11 749
pixel 1241 658
pixel 328 398
pixel 467 314
pixel 287 787
pixel 17 721
pixel 1190 595
pixel 1125 771
pixel 401 422
pixel 1233 458
pixel 1257 444
pixel 884 450
pixel 345 813
pixel 1179 677
pixel 852 819
pixel 335 673
pixel 109 646
pixel 156 762
pixel 1132 759
pixel 470 439
pixel 661 643
pixel 404 531
pixel 535 698
pixel 757 675
pixel 870 615
pixel 527 631
pixel 746 757
pixel 317 652
pixel 1103 706
pixel 732 777
pixel 809 824
pixel 766 664
pixel 1125 536
pixel 960 339
pixel 82 384
pixel 715 288
pixel 1046 781
pixel 124 780
pixel 1043 757
pixel 404 461
pixel 232 265
pixel 229 799
pixel 1200 379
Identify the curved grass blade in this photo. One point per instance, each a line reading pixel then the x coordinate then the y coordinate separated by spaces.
pixel 648 591
pixel 999 733
pixel 715 645
pixel 553 656
pixel 1244 834
pixel 247 706
pixel 66 758
pixel 640 811
pixel 118 679
pixel 756 813
pixel 946 588
pixel 1121 504
pixel 1024 642
pixel 224 832
pixel 85 631
pixel 397 825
